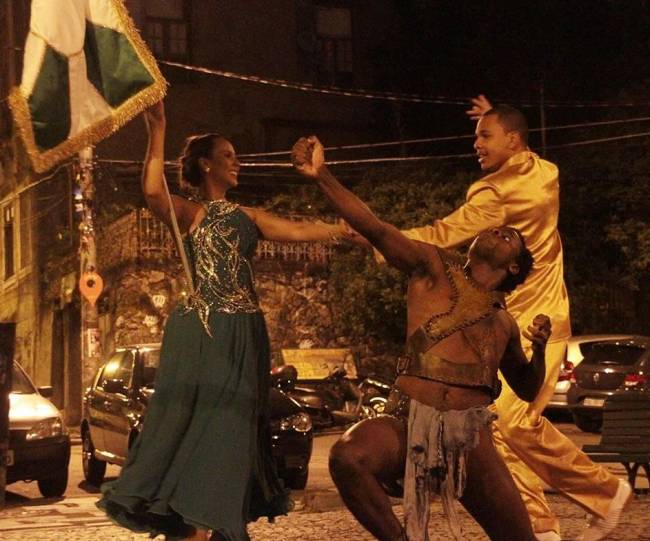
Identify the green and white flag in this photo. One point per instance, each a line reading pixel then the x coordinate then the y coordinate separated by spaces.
pixel 86 73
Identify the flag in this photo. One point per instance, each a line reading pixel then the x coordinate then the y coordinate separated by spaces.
pixel 86 73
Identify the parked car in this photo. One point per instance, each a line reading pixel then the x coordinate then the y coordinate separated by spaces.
pixel 115 405
pixel 39 443
pixel 572 358
pixel 610 364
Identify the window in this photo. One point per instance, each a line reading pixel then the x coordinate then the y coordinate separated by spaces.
pixel 8 234
pixel 20 383
pixel 150 361
pixel 25 218
pixel 334 53
pixel 118 367
pixel 612 353
pixel 166 29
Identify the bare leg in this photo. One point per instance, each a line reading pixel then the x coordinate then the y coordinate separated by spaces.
pixel 370 453
pixel 491 496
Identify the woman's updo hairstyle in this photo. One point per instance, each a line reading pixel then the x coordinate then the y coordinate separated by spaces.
pixel 197 146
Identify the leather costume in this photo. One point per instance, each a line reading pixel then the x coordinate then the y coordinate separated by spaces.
pixel 470 304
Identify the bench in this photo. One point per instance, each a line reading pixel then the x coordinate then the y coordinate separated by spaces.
pixel 625 434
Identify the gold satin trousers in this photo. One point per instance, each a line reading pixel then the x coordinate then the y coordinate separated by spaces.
pixel 534 449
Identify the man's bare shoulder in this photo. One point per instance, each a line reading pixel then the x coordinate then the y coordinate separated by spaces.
pixel 505 320
pixel 434 256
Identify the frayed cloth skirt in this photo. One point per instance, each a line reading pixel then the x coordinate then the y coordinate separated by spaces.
pixel 438 443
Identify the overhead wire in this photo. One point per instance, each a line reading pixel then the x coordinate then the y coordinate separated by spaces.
pixel 397 159
pixel 332 90
pixel 174 165
pixel 386 95
pixel 447 156
pixel 449 137
pixel 34 217
pixel 16 194
pixel 601 140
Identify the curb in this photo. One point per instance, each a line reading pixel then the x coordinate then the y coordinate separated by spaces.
pixel 324 500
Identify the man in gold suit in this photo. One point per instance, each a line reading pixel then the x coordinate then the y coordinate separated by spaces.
pixel 521 190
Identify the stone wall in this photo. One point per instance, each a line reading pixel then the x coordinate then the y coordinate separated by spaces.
pixel 138 302
pixel 295 301
pixel 293 295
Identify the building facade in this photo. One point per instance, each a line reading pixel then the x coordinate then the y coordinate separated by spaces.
pixel 323 43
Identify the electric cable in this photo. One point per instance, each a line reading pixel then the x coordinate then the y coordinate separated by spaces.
pixel 386 95
pixel 449 137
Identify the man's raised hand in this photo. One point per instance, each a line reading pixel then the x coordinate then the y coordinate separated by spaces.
pixel 307 156
pixel 539 332
pixel 480 106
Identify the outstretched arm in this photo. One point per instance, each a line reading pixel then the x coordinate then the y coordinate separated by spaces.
pixel 524 376
pixel 309 160
pixel 280 229
pixel 483 209
pixel 153 184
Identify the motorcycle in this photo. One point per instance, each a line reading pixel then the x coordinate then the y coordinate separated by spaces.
pixel 375 393
pixel 334 401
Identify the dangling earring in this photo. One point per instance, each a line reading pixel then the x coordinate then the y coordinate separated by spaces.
pixel 207 169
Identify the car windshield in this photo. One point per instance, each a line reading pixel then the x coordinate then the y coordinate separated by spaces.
pixel 611 353
pixel 19 382
pixel 150 360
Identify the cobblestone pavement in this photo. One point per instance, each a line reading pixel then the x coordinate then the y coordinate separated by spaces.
pixel 319 514
pixel 77 519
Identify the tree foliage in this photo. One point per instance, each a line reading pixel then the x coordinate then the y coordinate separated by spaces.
pixel 604 223
pixel 368 299
pixel 605 226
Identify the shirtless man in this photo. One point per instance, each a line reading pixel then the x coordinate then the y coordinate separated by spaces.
pixel 458 337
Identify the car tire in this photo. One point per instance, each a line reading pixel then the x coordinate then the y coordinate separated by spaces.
pixel 298 480
pixel 55 485
pixel 93 468
pixel 587 423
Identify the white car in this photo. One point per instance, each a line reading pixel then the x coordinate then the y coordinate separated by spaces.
pixel 39 443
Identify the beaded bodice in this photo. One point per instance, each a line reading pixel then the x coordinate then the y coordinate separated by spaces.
pixel 220 249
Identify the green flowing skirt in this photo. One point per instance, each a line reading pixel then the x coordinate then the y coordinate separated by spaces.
pixel 203 458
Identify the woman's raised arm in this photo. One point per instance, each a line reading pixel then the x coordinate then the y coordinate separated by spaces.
pixel 153 173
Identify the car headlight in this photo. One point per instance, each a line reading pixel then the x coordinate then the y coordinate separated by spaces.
pixel 48 428
pixel 301 422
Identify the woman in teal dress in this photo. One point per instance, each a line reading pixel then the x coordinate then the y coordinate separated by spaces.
pixel 203 460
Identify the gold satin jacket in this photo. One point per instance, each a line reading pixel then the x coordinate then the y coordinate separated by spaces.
pixel 523 193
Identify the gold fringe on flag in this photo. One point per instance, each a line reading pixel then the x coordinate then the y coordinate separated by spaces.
pixel 94 133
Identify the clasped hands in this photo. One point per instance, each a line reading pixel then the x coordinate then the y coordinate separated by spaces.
pixel 308 156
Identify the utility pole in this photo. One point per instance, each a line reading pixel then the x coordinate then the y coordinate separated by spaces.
pixel 11 64
pixel 90 283
pixel 542 116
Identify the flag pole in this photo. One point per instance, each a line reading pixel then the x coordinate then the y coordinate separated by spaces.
pixel 178 239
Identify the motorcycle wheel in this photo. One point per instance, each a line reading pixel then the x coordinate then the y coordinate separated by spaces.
pixel 378 404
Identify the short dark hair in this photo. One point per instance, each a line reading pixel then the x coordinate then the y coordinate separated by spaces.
pixel 525 262
pixel 197 146
pixel 511 119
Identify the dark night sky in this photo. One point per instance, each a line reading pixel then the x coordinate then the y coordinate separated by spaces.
pixel 584 50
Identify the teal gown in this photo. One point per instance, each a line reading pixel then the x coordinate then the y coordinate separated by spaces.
pixel 203 459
